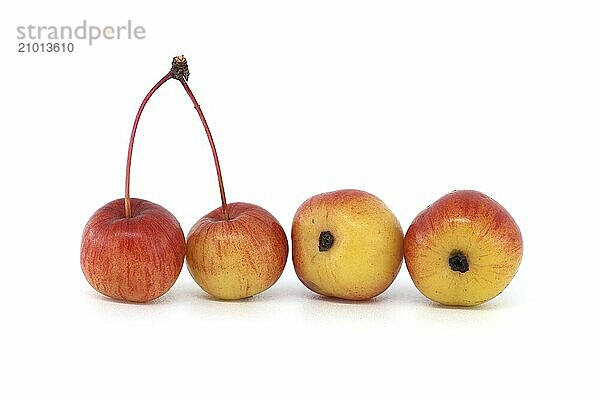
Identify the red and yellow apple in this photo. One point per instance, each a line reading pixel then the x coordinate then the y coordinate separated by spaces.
pixel 136 258
pixel 239 256
pixel 463 250
pixel 346 244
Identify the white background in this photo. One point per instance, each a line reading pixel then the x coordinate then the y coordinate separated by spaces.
pixel 407 100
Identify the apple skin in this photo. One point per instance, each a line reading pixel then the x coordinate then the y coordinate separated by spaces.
pixel 367 248
pixel 470 223
pixel 239 257
pixel 135 259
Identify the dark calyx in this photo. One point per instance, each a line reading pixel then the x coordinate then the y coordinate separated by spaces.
pixel 325 241
pixel 458 262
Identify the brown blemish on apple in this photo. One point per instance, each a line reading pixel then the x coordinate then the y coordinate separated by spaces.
pixel 458 262
pixel 326 241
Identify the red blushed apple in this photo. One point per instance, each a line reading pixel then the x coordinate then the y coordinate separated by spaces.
pixel 236 256
pixel 463 250
pixel 136 258
pixel 133 249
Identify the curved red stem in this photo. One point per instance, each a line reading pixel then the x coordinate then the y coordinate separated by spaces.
pixel 131 140
pixel 212 146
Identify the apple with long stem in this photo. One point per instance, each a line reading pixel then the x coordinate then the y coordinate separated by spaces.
pixel 237 250
pixel 133 249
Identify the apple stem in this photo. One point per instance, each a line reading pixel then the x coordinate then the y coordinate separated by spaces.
pixel 131 140
pixel 212 146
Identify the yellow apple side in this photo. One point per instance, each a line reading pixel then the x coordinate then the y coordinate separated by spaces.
pixel 367 251
pixel 225 268
pixel 492 264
